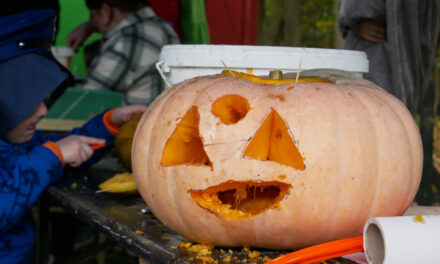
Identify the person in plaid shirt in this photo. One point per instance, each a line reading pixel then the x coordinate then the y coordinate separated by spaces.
pixel 132 40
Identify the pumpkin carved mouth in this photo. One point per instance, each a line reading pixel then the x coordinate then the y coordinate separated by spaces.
pixel 235 200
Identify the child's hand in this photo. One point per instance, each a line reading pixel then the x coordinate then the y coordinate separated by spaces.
pixel 124 114
pixel 76 149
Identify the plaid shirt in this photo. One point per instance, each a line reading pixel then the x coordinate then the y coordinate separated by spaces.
pixel 126 61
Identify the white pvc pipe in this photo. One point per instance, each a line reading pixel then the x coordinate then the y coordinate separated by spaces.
pixel 405 239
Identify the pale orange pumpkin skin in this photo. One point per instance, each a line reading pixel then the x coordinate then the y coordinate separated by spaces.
pixel 361 148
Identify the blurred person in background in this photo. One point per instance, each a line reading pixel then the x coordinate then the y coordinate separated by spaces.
pixel 132 40
pixel 400 39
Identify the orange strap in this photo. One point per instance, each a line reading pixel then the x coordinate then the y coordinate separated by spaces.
pixel 321 252
pixel 112 127
pixel 56 150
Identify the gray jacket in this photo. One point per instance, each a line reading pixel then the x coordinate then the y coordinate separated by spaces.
pixel 403 63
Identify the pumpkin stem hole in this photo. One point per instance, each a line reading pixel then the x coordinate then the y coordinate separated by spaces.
pixel 238 200
pixel 185 144
pixel 273 142
pixel 230 108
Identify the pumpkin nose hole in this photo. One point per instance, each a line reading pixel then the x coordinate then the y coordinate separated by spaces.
pixel 230 108
pixel 273 142
pixel 238 200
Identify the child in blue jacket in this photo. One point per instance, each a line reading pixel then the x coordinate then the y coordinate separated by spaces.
pixel 30 161
pixel 30 80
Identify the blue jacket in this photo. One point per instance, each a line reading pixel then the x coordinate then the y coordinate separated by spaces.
pixel 26 170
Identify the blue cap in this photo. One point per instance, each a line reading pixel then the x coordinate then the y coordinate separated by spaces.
pixel 28 70
pixel 30 31
pixel 25 81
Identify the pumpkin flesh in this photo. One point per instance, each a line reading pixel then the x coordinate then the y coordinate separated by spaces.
pixel 238 200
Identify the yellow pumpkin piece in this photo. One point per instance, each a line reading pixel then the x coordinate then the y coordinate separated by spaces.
pixel 122 183
pixel 124 139
pixel 253 254
pixel 227 259
pixel 418 218
pixel 256 79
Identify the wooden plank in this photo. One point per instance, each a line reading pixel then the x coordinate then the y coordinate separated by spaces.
pixel 59 125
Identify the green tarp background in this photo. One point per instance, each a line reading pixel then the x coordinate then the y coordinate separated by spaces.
pixel 193 22
pixel 72 14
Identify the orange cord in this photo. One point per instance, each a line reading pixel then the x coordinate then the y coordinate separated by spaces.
pixel 322 251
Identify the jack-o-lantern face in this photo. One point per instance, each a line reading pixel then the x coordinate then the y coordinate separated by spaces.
pixel 235 199
pixel 229 162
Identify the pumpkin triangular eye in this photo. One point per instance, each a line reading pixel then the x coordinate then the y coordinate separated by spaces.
pixel 185 145
pixel 273 142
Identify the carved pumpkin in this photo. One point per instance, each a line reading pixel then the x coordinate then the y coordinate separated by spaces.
pixel 230 162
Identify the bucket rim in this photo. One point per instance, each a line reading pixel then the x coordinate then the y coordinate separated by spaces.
pixel 263 57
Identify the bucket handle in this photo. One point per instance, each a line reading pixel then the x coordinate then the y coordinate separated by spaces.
pixel 162 74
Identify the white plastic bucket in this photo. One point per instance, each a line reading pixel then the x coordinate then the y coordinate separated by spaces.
pixel 180 62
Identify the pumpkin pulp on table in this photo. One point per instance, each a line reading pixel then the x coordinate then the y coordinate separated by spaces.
pixel 122 183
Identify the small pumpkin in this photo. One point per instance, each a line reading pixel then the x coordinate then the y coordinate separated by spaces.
pixel 124 140
pixel 231 162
